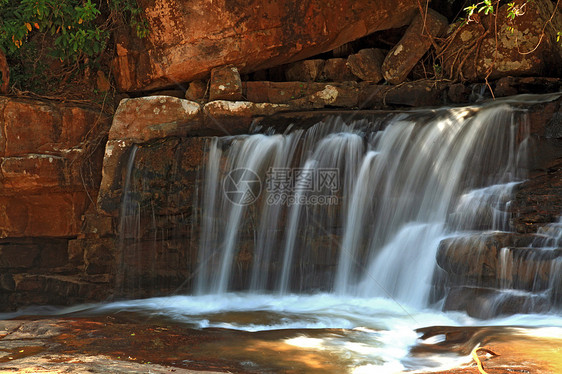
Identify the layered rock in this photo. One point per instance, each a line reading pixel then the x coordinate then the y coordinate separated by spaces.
pixel 187 39
pixel 49 164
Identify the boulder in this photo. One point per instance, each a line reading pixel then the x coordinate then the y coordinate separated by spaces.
pixel 305 71
pixel 414 44
pixel 522 45
pixel 197 91
pixel 152 117
pixel 186 40
pixel 225 84
pixel 366 64
pixel 336 70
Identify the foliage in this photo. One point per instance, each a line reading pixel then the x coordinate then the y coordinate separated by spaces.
pixel 72 31
pixel 513 10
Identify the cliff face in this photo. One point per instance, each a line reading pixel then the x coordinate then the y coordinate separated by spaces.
pixel 50 165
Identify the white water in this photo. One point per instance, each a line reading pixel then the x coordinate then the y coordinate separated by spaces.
pixel 405 182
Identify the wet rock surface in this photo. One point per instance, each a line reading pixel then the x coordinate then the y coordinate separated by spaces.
pixel 122 344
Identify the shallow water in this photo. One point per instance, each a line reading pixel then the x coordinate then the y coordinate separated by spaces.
pixel 351 334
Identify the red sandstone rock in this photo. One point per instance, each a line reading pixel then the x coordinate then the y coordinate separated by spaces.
pixel 49 165
pixel 225 84
pixel 366 64
pixel 413 45
pixel 52 214
pixel 187 39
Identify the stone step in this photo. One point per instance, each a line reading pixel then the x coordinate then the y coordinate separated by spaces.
pixel 484 303
pixel 502 260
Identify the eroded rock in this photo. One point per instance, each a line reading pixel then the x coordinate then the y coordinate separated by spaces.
pixel 140 120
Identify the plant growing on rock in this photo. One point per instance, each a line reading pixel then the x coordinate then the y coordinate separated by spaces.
pixel 71 30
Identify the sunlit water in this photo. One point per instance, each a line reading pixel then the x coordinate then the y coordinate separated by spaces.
pixel 376 333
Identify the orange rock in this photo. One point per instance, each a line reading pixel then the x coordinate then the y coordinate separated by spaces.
pixel 187 39
pixel 49 166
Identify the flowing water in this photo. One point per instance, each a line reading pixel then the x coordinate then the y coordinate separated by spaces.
pixel 399 184
pixel 337 226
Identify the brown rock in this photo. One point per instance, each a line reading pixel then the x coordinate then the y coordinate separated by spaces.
pixel 30 127
pixel 235 117
pixel 50 163
pixel 521 48
pixel 102 83
pixel 458 93
pixel 225 84
pixel 343 96
pixel 366 64
pixel 197 91
pixel 152 117
pixel 172 93
pixel 488 303
pixel 305 71
pixel 32 171
pixel 419 93
pixel 54 214
pixel 413 45
pixel 508 86
pixel 187 39
pixel 336 70
pixel 115 163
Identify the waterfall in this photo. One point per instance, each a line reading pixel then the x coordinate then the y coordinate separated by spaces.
pixel 355 206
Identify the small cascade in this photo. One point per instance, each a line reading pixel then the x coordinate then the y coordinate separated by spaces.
pixel 129 232
pixel 356 207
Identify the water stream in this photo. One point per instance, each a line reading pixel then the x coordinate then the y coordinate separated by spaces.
pixel 338 225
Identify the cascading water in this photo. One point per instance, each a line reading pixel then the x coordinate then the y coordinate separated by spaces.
pixel 401 183
pixel 337 236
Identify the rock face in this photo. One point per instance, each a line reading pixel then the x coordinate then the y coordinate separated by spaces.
pixel 188 39
pixel 50 163
pixel 522 48
pixel 49 166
